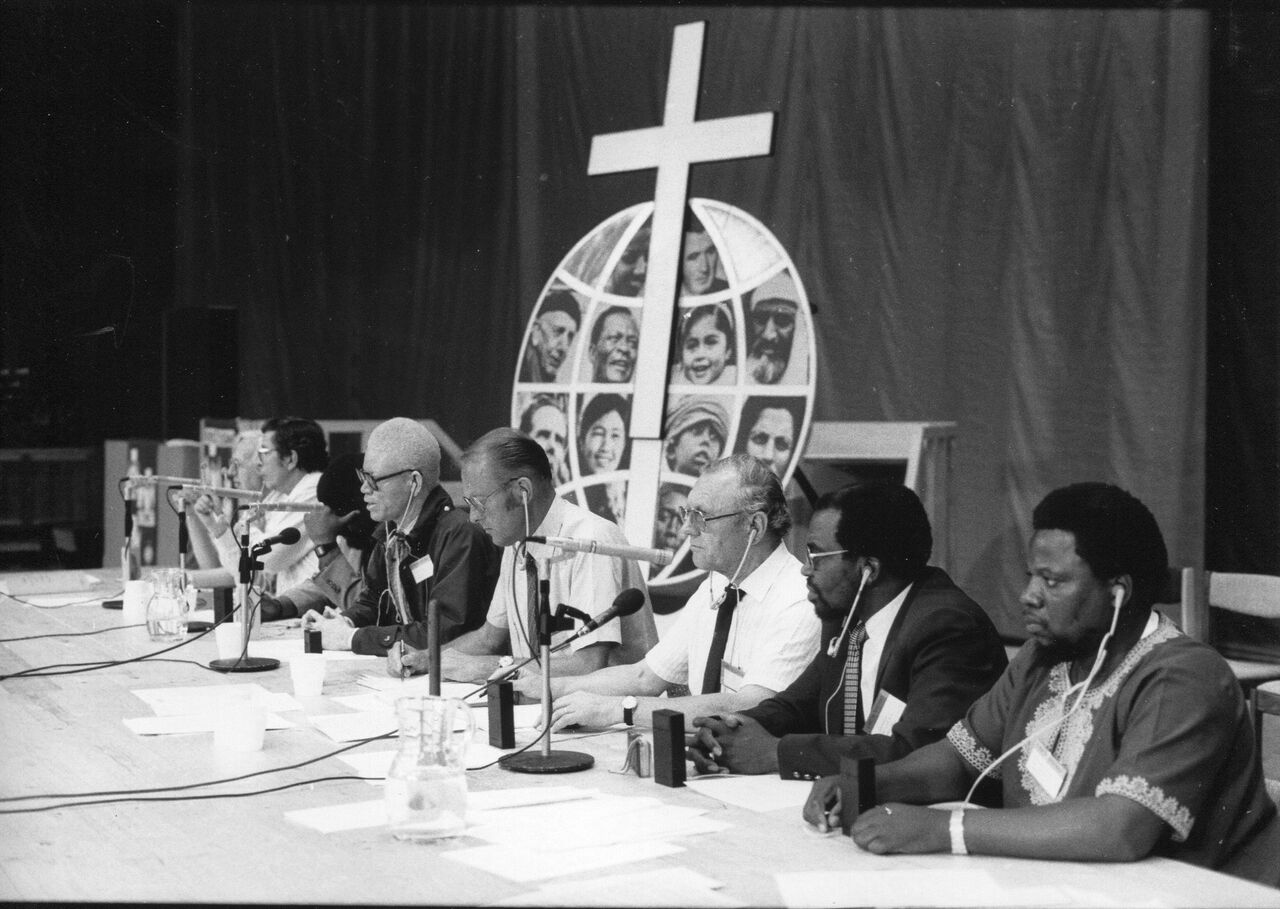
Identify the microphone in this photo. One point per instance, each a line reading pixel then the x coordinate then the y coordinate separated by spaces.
pixel 227 492
pixel 296 507
pixel 621 550
pixel 624 604
pixel 288 536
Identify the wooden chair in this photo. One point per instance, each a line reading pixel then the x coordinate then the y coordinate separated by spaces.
pixel 1239 614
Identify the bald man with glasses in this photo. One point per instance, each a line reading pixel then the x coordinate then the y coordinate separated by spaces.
pixel 746 633
pixel 424 549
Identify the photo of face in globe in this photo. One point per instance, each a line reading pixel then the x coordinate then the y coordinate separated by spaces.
pixel 615 340
pixel 608 500
pixel 602 434
pixel 699 261
pixel 666 523
pixel 770 429
pixel 697 429
pixel 544 419
pixel 551 336
pixel 628 275
pixel 705 347
pixel 771 334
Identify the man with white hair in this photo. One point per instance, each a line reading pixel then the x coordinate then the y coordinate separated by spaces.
pixel 425 549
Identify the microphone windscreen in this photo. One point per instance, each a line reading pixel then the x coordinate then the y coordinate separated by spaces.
pixel 629 601
pixel 290 535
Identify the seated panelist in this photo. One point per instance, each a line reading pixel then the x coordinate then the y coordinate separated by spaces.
pixel 904 651
pixel 342 532
pixel 509 489
pixel 1114 736
pixel 290 456
pixel 744 634
pixel 425 549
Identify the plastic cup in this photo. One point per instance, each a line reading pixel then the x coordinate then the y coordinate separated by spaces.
pixel 241 721
pixel 307 672
pixel 230 637
pixel 136 595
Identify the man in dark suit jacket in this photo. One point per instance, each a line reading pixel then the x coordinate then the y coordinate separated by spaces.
pixel 924 650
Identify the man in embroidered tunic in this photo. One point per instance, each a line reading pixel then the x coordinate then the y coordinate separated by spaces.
pixel 1148 750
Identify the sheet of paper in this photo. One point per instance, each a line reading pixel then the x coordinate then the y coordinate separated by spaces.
pixel 184 725
pixel 671 887
pixel 287 649
pixel 392 688
pixel 338 818
pixel 377 763
pixel 764 792
pixel 358 815
pixel 522 864
pixel 560 828
pixel 364 703
pixel 911 887
pixel 526 716
pixel 204 698
pixel 523 797
pixel 351 727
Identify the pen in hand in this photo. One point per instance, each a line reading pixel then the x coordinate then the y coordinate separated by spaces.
pixel 403 668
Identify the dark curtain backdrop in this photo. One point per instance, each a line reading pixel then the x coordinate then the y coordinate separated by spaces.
pixel 998 215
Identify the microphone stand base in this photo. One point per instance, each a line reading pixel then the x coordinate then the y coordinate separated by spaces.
pixel 245 664
pixel 551 762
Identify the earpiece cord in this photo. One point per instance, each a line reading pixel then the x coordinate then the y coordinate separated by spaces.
pixel 1084 689
pixel 834 647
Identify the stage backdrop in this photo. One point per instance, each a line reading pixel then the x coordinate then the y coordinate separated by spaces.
pixel 998 215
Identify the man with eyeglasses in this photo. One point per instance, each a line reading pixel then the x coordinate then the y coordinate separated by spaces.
pixel 507 480
pixel 746 632
pixel 425 549
pixel 291 454
pixel 904 652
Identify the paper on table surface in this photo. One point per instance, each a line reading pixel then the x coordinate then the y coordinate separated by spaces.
pixel 671 887
pixel 286 650
pixel 762 792
pixel 351 727
pixel 417 685
pixel 205 698
pixel 524 716
pixel 523 864
pixel 364 703
pixel 182 725
pixel 561 828
pixel 377 763
pixel 339 818
pixel 357 815
pixel 911 887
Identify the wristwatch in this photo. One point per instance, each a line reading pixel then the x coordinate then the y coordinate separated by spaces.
pixel 629 705
pixel 323 549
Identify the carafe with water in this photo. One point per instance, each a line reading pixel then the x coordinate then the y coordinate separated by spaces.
pixel 426 791
pixel 168 609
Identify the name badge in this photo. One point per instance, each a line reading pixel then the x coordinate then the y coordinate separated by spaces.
pixel 885 713
pixel 730 676
pixel 422 569
pixel 1046 770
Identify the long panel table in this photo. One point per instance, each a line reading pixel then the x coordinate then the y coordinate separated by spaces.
pixel 65 734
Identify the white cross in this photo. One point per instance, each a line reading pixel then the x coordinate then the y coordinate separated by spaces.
pixel 671 148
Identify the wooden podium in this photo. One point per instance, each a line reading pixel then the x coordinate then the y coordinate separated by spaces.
pixel 918 454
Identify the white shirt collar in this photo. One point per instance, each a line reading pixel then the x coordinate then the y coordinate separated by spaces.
pixel 757 583
pixel 879 624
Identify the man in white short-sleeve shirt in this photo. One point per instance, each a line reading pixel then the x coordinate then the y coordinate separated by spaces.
pixel 507 482
pixel 736 519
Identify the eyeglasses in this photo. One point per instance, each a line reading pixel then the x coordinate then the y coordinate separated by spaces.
pixel 263 452
pixel 478 505
pixel 761 439
pixel 810 554
pixel 368 479
pixel 698 521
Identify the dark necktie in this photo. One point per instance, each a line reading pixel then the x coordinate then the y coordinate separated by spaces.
pixel 715 656
pixel 397 551
pixel 531 602
pixel 853 682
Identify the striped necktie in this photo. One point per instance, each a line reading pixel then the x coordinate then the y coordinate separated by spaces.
pixel 853 682
pixel 719 640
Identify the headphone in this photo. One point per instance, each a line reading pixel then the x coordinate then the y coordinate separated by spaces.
pixel 1117 594
pixel 524 495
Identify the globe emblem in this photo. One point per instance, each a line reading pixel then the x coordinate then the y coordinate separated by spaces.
pixel 740 375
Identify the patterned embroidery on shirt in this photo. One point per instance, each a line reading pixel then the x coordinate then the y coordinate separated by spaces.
pixel 1073 735
pixel 1165 807
pixel 973 751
